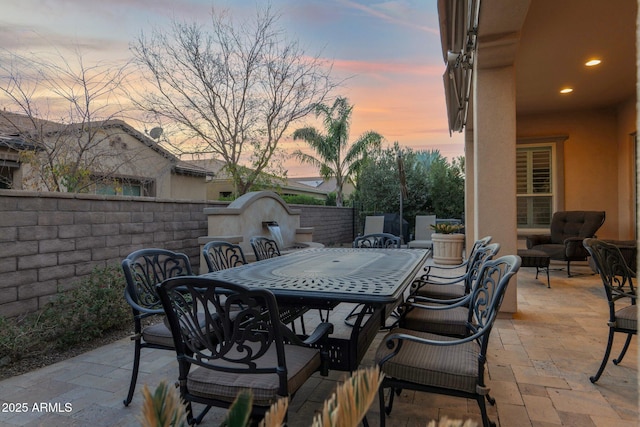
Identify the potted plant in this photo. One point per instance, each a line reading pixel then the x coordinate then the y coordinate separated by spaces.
pixel 448 243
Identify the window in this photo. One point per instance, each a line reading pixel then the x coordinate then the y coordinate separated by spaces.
pixel 535 186
pixel 122 187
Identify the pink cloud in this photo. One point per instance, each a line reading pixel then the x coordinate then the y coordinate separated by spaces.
pixel 376 67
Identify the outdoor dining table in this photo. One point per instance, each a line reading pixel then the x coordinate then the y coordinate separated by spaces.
pixel 322 278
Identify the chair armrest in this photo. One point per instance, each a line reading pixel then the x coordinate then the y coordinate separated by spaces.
pixel 440 280
pixel 144 310
pixel 574 247
pixel 451 302
pixel 427 303
pixel 421 281
pixel 428 268
pixel 393 341
pixel 538 239
pixel 317 339
pixel 320 333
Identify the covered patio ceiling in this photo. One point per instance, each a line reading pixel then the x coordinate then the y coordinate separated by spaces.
pixel 549 42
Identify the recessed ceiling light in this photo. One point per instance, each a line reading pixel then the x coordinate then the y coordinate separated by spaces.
pixel 592 62
pixel 566 90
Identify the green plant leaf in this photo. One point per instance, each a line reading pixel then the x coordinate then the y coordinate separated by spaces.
pixel 240 410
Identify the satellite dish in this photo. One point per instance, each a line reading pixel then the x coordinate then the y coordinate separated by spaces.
pixel 155 133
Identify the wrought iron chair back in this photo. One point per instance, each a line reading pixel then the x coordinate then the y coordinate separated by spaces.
pixel 264 248
pixel 377 240
pixel 474 263
pixel 143 270
pixel 487 294
pixel 220 255
pixel 242 335
pixel 404 355
pixel 431 271
pixel 621 293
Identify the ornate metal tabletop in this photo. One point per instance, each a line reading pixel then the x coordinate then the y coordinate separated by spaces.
pixel 329 275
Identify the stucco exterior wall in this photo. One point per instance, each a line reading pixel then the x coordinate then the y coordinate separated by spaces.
pixel 595 153
pixel 188 187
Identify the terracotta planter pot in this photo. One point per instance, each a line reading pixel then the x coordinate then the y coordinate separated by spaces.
pixel 447 248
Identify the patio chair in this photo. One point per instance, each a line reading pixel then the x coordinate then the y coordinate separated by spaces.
pixel 440 287
pixel 377 240
pixel 423 232
pixel 371 241
pixel 244 347
pixel 143 270
pixel 444 271
pixel 617 279
pixel 434 363
pixel 568 230
pixel 373 224
pixel 264 248
pixel 220 255
pixel 446 316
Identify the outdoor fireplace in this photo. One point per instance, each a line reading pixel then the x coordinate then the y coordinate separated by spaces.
pixel 258 213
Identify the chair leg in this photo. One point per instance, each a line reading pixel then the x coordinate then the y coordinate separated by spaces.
pixel 624 350
pixel 383 412
pixel 134 373
pixel 355 312
pixel 190 418
pixel 568 268
pixel 605 359
pixel 486 422
pixel 490 399
pixel 392 394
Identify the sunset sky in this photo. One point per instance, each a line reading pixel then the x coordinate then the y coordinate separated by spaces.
pixel 389 51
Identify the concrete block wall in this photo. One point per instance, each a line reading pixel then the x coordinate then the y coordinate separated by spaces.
pixel 331 225
pixel 49 241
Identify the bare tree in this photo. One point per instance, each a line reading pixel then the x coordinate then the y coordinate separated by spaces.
pixel 60 109
pixel 232 89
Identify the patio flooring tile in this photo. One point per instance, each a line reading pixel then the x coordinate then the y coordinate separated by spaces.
pixel 539 363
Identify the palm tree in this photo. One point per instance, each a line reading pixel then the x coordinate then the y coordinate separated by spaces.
pixel 335 158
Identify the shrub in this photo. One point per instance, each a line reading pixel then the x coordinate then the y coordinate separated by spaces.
pixel 21 337
pixel 301 199
pixel 94 306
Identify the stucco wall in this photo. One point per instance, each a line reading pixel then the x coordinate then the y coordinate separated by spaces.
pixel 50 240
pixel 593 161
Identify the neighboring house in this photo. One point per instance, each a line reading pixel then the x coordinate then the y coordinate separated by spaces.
pixel 10 148
pixel 571 151
pixel 325 185
pixel 120 160
pixel 221 185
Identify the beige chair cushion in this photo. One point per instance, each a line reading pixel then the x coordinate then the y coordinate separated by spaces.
pixel 442 291
pixel 302 362
pixel 453 367
pixel 443 322
pixel 627 318
pixel 158 334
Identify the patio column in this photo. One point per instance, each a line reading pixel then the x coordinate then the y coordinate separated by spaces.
pixel 494 163
pixel 469 187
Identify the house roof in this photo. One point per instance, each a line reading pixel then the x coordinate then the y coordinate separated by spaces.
pixel 14 127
